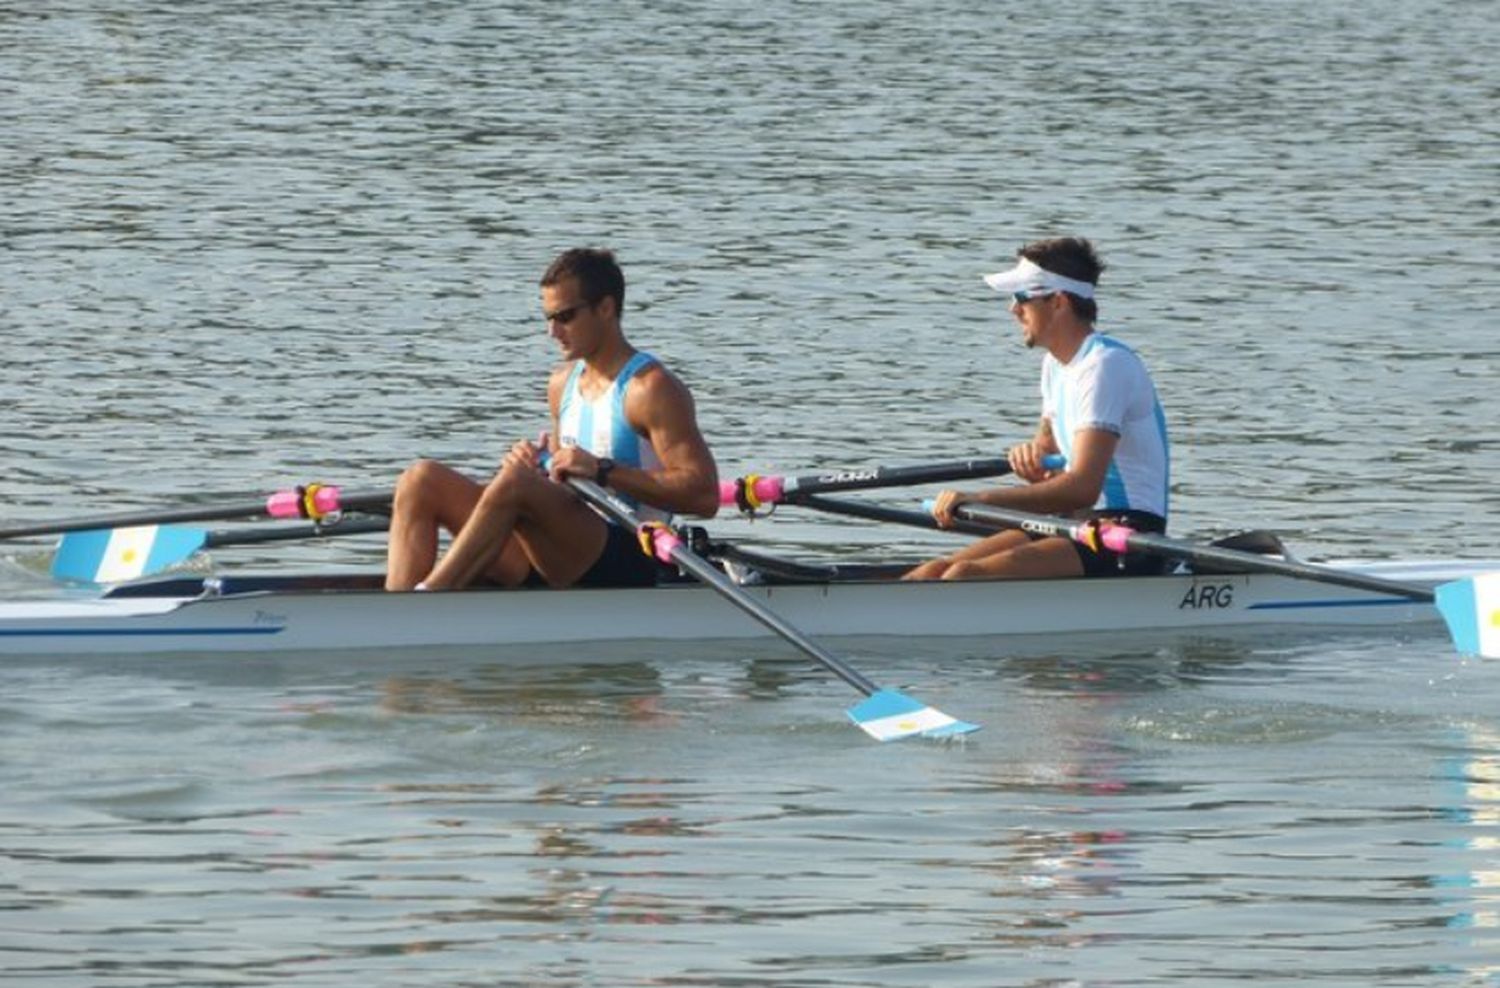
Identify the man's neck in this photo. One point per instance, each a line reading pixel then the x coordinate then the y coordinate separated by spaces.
pixel 604 364
pixel 1068 340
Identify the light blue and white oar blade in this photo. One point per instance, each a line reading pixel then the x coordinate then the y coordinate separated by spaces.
pixel 116 555
pixel 888 714
pixel 1472 609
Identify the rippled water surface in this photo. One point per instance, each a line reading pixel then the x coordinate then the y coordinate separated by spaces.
pixel 251 246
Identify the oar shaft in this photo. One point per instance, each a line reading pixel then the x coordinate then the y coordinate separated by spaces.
pixel 1122 538
pixel 932 473
pixel 293 533
pixel 753 491
pixel 702 569
pixel 880 512
pixel 274 506
pixel 132 519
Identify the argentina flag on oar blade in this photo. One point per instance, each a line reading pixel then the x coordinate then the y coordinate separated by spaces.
pixel 118 554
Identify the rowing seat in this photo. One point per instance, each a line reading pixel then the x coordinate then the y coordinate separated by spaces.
pixel 745 566
pixel 1257 541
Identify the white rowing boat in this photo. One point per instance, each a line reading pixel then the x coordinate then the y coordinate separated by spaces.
pixel 1244 582
pixel 296 614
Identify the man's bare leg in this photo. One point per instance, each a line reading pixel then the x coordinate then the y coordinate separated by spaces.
pixel 429 496
pixel 522 521
pixel 1051 558
pixel 937 569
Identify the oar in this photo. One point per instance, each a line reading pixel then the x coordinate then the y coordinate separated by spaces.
pixel 1466 605
pixel 120 554
pixel 753 491
pixel 1472 609
pixel 887 714
pixel 881 512
pixel 312 501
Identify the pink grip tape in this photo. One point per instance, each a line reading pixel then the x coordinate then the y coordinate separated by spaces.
pixel 1115 538
pixel 663 541
pixel 289 504
pixel 763 490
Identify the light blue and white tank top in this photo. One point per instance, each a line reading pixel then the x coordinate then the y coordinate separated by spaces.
pixel 599 426
pixel 1106 386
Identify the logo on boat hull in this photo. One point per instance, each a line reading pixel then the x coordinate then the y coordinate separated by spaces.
pixel 268 619
pixel 1207 597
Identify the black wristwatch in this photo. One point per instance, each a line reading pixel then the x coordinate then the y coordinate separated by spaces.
pixel 601 471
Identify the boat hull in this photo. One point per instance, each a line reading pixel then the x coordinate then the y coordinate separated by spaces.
pixel 290 618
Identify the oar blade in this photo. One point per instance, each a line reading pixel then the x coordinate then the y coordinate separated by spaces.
pixel 116 555
pixel 887 715
pixel 1471 607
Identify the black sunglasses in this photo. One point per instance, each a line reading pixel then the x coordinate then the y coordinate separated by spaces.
pixel 1020 298
pixel 564 316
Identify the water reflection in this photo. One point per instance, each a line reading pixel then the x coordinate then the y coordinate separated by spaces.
pixel 550 695
pixel 1474 892
pixel 1071 782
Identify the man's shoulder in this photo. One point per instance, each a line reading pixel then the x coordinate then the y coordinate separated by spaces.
pixel 654 386
pixel 1110 343
pixel 559 374
pixel 1111 351
pixel 653 374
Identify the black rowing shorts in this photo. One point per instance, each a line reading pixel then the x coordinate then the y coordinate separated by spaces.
pixel 623 564
pixel 1106 563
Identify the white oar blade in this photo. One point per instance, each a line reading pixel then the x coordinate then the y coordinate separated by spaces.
pixel 1472 609
pixel 888 714
pixel 119 554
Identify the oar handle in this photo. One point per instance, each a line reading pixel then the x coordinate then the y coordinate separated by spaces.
pixel 315 501
pixel 310 501
pixel 754 491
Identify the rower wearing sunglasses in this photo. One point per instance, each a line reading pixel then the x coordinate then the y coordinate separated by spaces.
pixel 1099 411
pixel 619 418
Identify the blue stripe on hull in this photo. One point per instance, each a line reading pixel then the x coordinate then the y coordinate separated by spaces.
pixel 1295 605
pixel 133 632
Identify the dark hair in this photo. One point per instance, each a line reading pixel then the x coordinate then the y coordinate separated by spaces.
pixel 596 271
pixel 1071 257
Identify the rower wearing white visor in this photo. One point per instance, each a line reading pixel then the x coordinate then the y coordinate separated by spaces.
pixel 1099 411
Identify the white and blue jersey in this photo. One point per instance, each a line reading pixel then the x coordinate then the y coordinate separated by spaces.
pixel 1106 386
pixel 600 427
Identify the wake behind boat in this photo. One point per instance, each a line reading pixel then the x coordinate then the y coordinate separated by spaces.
pixel 290 614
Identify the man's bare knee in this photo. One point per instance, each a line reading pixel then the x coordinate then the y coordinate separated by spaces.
pixel 965 570
pixel 418 481
pixel 931 570
pixel 509 487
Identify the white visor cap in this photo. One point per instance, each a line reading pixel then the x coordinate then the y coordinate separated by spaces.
pixel 1028 276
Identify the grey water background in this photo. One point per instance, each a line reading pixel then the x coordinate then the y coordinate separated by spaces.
pixel 250 246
